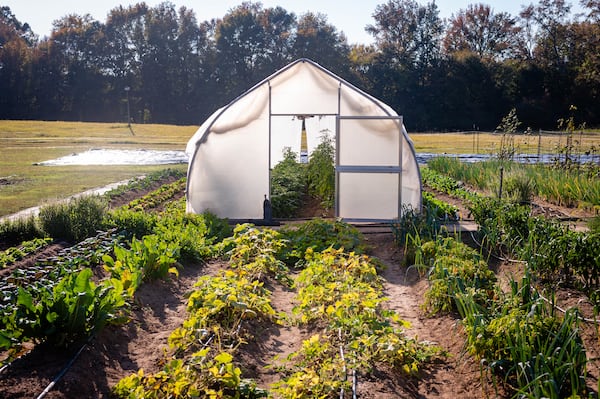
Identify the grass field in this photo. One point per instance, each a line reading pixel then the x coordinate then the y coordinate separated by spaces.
pixel 24 143
pixel 490 143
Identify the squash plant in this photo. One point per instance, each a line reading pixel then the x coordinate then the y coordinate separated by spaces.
pixel 455 267
pixel 341 293
pixel 204 347
pixel 225 301
pixel 256 251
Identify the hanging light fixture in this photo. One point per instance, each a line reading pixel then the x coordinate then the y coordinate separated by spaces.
pixel 304 139
pixel 303 144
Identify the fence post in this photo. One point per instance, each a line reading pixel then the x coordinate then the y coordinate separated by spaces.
pixel 501 178
pixel 539 145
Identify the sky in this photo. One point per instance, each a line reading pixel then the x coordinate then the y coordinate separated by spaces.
pixel 351 17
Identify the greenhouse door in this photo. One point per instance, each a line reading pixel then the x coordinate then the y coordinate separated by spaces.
pixel 368 168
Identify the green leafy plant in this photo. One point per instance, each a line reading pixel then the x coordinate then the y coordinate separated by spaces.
pixel 288 185
pixel 520 337
pixel 321 172
pixel 131 223
pixel 439 209
pixel 189 232
pixel 65 314
pixel 318 235
pixel 148 259
pixel 14 254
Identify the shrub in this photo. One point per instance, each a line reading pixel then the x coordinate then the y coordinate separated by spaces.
pixel 75 220
pixel 131 223
pixel 14 231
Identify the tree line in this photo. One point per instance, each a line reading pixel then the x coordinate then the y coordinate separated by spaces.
pixel 160 65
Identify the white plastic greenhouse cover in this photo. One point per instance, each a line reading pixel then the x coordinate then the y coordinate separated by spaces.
pixel 377 174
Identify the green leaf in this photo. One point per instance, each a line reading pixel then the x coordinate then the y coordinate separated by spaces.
pixel 26 299
pixel 5 342
pixel 82 283
pixel 51 317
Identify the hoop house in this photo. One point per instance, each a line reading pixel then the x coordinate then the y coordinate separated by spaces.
pixel 230 155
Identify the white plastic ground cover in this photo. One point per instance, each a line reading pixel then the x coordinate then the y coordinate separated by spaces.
pixel 119 157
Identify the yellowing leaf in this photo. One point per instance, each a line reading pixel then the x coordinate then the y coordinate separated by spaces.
pixel 224 357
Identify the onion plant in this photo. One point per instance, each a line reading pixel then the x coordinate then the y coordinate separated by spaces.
pixel 520 337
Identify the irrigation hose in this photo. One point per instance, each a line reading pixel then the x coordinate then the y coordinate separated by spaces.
pixel 584 319
pixel 480 245
pixel 354 382
pixel 343 362
pixel 64 370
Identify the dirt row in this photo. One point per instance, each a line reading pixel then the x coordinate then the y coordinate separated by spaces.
pixel 160 308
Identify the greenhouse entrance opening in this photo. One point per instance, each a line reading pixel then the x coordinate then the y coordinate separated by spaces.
pixel 286 132
pixel 368 183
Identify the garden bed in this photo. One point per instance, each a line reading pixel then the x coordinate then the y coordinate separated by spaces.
pixel 160 307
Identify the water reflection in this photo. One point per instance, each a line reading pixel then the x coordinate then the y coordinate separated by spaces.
pixel 154 157
pixel 119 157
pixel 423 157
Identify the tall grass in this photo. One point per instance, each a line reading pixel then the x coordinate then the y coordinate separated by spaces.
pixel 570 187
